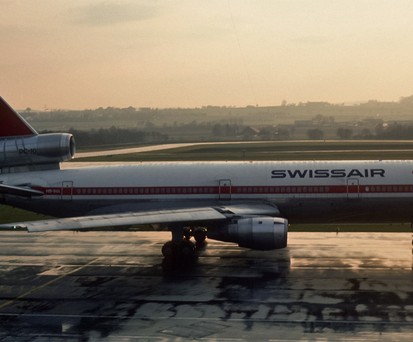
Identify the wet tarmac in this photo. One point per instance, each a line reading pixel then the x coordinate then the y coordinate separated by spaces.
pixel 103 286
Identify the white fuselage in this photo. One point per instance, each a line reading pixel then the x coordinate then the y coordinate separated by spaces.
pixel 305 191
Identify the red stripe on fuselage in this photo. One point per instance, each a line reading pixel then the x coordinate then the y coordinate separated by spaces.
pixel 11 123
pixel 235 190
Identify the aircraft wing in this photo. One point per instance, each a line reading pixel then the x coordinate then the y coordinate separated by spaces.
pixel 185 215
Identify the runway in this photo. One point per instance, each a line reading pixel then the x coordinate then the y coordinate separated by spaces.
pixel 153 148
pixel 115 287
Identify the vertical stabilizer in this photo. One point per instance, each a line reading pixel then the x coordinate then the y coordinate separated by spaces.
pixel 11 123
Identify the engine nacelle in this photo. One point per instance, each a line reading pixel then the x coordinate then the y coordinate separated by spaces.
pixel 262 233
pixel 37 149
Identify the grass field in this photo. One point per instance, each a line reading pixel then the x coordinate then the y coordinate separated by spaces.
pixel 294 150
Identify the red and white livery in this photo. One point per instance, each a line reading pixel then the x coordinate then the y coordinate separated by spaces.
pixel 249 203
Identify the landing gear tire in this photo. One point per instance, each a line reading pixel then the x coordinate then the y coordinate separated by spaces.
pixel 186 249
pixel 187 232
pixel 170 249
pixel 179 250
pixel 200 235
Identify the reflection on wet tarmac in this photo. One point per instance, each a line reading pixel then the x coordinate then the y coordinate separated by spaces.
pixel 116 286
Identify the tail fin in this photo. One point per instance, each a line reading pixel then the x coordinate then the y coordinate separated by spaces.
pixel 22 149
pixel 11 123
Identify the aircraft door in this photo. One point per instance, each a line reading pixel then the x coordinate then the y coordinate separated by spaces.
pixel 67 190
pixel 224 189
pixel 353 188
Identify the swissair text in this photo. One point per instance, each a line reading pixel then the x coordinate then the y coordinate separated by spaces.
pixel 326 173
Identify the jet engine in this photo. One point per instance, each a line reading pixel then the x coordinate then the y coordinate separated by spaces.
pixel 261 233
pixel 37 149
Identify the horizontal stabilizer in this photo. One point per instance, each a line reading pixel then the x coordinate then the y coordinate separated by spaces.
pixel 19 191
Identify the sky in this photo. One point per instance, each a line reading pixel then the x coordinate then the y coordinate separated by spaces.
pixel 190 53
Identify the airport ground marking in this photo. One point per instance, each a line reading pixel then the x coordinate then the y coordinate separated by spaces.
pixel 50 282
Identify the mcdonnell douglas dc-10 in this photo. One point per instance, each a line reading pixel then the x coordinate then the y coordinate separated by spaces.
pixel 249 203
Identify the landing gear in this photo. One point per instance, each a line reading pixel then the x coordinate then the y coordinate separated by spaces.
pixel 187 233
pixel 183 249
pixel 200 234
pixel 180 247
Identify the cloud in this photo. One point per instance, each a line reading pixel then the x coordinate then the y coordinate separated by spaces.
pixel 111 13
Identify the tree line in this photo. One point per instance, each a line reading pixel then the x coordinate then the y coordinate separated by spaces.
pixel 114 136
pixel 121 136
pixel 393 131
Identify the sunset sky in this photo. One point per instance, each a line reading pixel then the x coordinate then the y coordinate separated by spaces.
pixel 190 53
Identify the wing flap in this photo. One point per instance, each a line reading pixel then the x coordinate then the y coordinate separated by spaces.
pixel 123 219
pixel 247 209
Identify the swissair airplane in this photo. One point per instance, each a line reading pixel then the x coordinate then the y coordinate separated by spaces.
pixel 249 203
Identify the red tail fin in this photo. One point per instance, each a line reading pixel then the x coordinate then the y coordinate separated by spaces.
pixel 11 123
